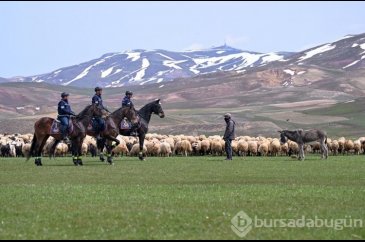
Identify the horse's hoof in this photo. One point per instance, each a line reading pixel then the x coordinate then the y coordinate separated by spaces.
pixel 38 162
pixel 142 159
pixel 75 162
pixel 79 162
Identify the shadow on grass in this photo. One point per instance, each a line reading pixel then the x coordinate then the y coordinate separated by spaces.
pixel 71 164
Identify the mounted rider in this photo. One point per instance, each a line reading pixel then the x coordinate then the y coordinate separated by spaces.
pixel 99 121
pixel 127 102
pixel 64 113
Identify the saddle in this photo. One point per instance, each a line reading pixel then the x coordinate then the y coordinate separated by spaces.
pixel 125 125
pixel 56 127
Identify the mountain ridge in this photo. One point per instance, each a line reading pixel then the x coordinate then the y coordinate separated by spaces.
pixel 141 67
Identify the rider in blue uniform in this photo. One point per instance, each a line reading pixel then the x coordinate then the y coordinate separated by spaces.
pixel 64 113
pixel 127 102
pixel 99 101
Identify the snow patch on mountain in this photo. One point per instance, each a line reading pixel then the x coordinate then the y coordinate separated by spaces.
pixel 107 72
pixel 352 64
pixel 57 72
pixel 84 73
pixel 134 56
pixel 290 72
pixel 165 56
pixel 141 73
pixel 317 51
pixel 271 57
pixel 173 64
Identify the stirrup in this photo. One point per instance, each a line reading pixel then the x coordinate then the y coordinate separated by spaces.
pixel 135 134
pixel 66 140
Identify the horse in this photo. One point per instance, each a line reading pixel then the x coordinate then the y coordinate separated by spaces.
pixel 111 130
pixel 43 130
pixel 302 137
pixel 144 117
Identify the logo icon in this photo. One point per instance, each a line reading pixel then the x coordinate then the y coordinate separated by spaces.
pixel 241 224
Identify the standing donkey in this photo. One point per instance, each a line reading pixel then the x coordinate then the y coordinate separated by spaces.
pixel 302 137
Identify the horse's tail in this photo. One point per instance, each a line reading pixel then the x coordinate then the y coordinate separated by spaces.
pixel 53 148
pixel 32 147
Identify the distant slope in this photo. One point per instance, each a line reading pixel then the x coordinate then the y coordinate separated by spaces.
pixel 322 87
pixel 259 101
pixel 141 67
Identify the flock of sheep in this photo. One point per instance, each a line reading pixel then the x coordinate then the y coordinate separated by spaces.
pixel 18 145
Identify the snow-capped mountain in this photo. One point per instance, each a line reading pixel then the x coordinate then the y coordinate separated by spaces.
pixel 139 67
pixel 348 53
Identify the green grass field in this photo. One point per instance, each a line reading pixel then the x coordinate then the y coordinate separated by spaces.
pixel 178 198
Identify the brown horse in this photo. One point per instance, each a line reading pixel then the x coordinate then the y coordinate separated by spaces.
pixel 111 131
pixel 43 130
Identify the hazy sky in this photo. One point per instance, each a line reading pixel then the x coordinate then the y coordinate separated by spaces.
pixel 38 37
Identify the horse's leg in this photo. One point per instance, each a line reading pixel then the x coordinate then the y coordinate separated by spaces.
pixel 109 137
pixel 53 149
pixel 100 146
pixel 34 149
pixel 301 152
pixel 42 143
pixel 74 152
pixel 79 151
pixel 38 153
pixel 142 136
pixel 327 149
pixel 324 149
pixel 109 149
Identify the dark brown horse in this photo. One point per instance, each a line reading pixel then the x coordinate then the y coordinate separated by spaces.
pixel 43 130
pixel 111 131
pixel 145 115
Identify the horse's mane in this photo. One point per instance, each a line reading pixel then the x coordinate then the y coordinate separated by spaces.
pixel 147 106
pixel 83 112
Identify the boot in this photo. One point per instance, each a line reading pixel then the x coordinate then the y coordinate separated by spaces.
pixel 64 135
pixel 66 140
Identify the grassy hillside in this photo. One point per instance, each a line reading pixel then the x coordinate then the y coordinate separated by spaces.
pixel 259 103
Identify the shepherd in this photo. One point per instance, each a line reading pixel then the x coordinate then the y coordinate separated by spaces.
pixel 229 135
